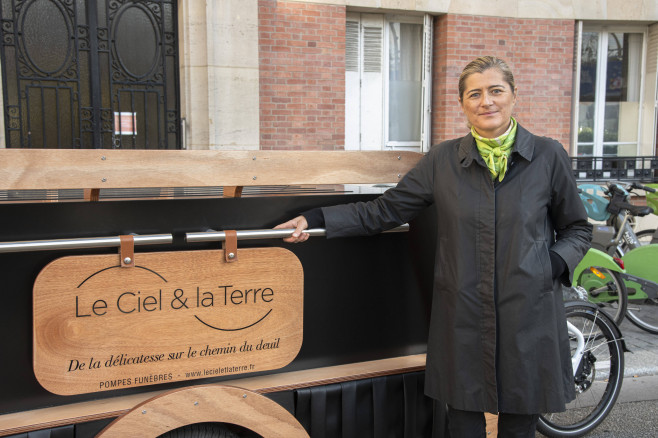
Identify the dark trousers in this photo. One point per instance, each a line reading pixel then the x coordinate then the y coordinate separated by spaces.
pixel 466 424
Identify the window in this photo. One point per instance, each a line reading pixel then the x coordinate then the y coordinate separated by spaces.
pixel 387 82
pixel 610 80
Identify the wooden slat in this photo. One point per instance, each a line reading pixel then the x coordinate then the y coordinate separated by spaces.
pixel 21 422
pixel 91 169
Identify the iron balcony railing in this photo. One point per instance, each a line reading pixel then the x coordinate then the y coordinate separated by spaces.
pixel 601 169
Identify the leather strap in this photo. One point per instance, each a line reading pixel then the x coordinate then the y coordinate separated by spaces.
pixel 127 251
pixel 232 191
pixel 92 195
pixel 230 246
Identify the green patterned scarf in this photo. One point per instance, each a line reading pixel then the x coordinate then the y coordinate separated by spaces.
pixel 495 151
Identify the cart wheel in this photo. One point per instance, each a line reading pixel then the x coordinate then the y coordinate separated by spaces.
pixel 206 411
pixel 204 430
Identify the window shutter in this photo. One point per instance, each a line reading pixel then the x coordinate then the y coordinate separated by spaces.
pixel 352 81
pixel 426 114
pixel 372 49
pixel 372 82
pixel 364 87
pixel 352 45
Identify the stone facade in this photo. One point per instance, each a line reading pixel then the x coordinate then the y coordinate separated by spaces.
pixel 270 74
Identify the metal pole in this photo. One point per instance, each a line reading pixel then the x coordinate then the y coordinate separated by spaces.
pixel 81 243
pixel 220 236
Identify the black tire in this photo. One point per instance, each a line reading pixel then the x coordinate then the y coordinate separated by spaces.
pixel 599 380
pixel 201 430
pixel 612 289
pixel 643 313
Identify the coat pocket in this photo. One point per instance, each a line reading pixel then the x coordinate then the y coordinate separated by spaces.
pixel 544 268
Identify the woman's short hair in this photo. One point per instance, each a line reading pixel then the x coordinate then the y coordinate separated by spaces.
pixel 480 65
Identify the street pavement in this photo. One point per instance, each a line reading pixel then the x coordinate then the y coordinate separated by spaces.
pixel 635 415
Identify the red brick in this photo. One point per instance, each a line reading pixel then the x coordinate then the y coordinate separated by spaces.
pixel 302 75
pixel 540 53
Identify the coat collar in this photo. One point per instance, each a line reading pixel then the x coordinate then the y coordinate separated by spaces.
pixel 524 145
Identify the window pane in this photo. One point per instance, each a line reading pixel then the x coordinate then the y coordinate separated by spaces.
pixel 585 150
pixel 588 63
pixel 588 57
pixel 586 122
pixel 622 91
pixel 405 85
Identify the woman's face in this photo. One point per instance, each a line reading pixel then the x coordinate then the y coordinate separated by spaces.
pixel 487 102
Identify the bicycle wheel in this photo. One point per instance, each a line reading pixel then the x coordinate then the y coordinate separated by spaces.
pixel 643 312
pixel 210 430
pixel 598 378
pixel 606 289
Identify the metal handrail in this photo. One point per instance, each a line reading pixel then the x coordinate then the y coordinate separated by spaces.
pixel 220 236
pixel 156 239
pixel 81 243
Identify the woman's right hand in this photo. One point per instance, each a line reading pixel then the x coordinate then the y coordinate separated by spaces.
pixel 299 224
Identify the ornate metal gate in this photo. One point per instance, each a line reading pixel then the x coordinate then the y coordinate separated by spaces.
pixel 90 73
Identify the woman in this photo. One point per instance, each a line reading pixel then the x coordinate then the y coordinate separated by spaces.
pixel 512 228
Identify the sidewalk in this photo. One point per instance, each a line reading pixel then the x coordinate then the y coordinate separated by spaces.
pixel 628 420
pixel 642 360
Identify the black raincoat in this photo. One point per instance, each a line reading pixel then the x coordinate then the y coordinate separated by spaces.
pixel 498 338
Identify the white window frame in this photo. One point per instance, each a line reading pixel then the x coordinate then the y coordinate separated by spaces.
pixel 402 145
pixel 426 91
pixel 599 107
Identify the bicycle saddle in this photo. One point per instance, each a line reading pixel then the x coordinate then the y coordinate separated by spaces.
pixel 640 210
pixel 616 205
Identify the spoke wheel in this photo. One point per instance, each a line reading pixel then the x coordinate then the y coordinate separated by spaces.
pixel 609 292
pixel 598 379
pixel 643 313
pixel 209 430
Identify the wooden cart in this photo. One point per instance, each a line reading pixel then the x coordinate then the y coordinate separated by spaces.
pixel 100 249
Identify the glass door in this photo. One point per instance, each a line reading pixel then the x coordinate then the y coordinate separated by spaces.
pixel 609 99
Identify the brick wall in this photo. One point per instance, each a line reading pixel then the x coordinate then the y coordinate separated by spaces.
pixel 302 75
pixel 540 54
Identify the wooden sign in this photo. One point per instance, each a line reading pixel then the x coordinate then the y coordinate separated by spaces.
pixel 173 316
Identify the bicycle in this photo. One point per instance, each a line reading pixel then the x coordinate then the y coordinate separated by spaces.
pixel 597 350
pixel 647 236
pixel 617 237
pixel 652 198
pixel 600 277
pixel 610 204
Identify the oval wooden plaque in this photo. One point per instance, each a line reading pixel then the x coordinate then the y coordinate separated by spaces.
pixel 173 316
